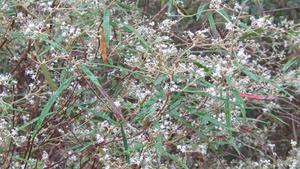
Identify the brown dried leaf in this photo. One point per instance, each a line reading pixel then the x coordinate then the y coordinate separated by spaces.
pixel 103 47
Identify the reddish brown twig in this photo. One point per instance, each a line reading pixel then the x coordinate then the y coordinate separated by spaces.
pixel 256 97
pixel 160 12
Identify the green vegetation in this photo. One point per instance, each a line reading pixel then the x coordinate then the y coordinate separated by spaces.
pixel 149 84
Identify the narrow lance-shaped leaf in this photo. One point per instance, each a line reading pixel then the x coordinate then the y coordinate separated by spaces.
pixel 45 112
pixel 102 115
pixel 251 74
pixel 91 76
pixel 125 143
pixel 224 14
pixel 130 29
pixel 46 73
pixel 170 7
pixel 238 100
pixel 162 2
pixel 293 62
pixel 200 10
pixel 211 21
pixel 106 26
pixel 56 45
pixel 227 113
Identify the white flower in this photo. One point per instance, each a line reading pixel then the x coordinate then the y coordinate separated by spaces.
pixel 212 91
pixel 71 30
pixel 172 87
pixel 136 160
pixel 203 149
pixel 192 57
pixel 99 139
pixel 31 73
pixel 229 26
pixel 271 146
pixel 237 7
pixel 261 22
pixel 117 103
pixel 45 155
pixel 200 72
pixel 14 132
pixel 294 164
pixel 293 143
pixel 215 4
pixel 4 79
pixel 242 56
pixel 72 156
pixel 166 25
pixel 182 148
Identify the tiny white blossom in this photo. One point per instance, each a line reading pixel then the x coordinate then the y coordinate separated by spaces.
pixel 99 138
pixel 45 155
pixel 182 148
pixel 293 143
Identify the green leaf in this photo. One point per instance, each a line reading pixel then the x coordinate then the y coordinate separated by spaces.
pixel 160 79
pixel 102 115
pixel 148 107
pixel 174 113
pixel 49 104
pixel 251 33
pixel 211 21
pixel 118 89
pixel 170 7
pixel 106 26
pixel 31 122
pixel 122 69
pixel 238 100
pixel 250 74
pixel 46 73
pixel 205 118
pixel 125 144
pixel 130 29
pixel 19 158
pixel 227 113
pixel 125 9
pixel 205 83
pixel 233 143
pixel 19 36
pixel 290 64
pixel 200 10
pixel 43 52
pixel 199 65
pixel 90 75
pixel 224 14
pixel 44 37
pixel 1 150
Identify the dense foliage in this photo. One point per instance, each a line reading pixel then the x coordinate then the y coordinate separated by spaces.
pixel 149 84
